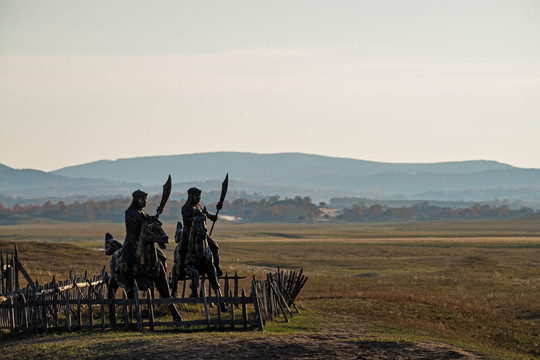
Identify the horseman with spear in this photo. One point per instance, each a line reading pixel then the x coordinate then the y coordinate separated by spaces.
pixel 190 208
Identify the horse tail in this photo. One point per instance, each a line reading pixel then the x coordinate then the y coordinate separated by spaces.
pixel 111 245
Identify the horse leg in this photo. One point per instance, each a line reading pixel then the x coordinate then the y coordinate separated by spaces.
pixel 112 286
pixel 163 288
pixel 130 289
pixel 194 283
pixel 221 305
pixel 174 284
pixel 125 280
pixel 218 293
pixel 194 275
pixel 212 276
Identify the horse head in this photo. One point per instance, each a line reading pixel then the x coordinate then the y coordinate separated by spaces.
pixel 152 230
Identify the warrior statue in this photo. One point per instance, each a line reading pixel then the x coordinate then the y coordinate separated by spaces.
pixel 138 258
pixel 190 208
pixel 134 218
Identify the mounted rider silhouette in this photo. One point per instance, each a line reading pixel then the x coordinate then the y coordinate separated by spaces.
pixel 134 218
pixel 188 209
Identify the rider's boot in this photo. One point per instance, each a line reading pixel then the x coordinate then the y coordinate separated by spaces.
pixel 175 314
pixel 222 306
pixel 216 264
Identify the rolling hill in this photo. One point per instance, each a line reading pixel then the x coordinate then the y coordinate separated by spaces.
pixel 27 183
pixel 285 174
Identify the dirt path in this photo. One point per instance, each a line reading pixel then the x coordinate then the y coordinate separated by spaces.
pixel 318 347
pixel 322 345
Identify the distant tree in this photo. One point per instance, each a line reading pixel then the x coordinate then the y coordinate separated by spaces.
pixel 375 210
pixel 352 214
pixel 265 209
pixel 61 206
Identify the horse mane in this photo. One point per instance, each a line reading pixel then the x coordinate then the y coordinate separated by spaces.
pixel 193 240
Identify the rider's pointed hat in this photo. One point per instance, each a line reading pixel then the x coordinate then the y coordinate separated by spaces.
pixel 194 191
pixel 139 194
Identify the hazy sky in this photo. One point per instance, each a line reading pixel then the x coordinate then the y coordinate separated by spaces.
pixel 393 81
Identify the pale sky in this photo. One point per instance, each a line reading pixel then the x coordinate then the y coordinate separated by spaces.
pixel 392 81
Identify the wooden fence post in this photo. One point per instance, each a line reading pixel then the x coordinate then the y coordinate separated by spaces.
pixel 205 302
pixel 45 318
pixel 68 312
pixel 232 311
pixel 236 285
pixel 255 297
pixel 102 301
pixel 184 289
pixel 112 310
pixel 8 275
pixel 125 310
pixel 36 307
pixel 11 315
pixel 2 271
pixel 226 286
pixel 150 309
pixel 79 309
pixel 244 309
pixel 15 269
pixel 10 284
pixel 137 306
pixel 90 311
pixel 55 308
pixel 23 271
pixel 280 300
pixel 24 313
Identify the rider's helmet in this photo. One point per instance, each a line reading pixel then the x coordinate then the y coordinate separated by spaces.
pixel 139 194
pixel 194 191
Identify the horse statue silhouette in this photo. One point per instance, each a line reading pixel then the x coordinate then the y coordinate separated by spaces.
pixel 198 259
pixel 148 270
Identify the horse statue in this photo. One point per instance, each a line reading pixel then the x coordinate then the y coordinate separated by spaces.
pixel 148 269
pixel 198 259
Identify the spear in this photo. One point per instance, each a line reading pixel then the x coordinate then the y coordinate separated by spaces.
pixel 224 186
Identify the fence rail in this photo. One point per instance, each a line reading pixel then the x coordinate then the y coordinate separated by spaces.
pixel 80 303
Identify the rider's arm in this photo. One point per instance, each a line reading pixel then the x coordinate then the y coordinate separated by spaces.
pixel 210 216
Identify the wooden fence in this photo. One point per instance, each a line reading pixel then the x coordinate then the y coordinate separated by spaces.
pixel 9 272
pixel 80 303
pixel 276 295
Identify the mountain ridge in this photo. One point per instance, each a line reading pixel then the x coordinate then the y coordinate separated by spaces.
pixel 254 167
pixel 285 174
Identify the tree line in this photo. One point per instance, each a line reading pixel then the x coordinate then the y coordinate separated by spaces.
pixel 426 212
pixel 266 209
pixel 297 209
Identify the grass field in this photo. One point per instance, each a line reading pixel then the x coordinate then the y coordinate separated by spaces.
pixel 469 285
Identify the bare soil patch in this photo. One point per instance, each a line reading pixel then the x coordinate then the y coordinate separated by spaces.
pixel 320 345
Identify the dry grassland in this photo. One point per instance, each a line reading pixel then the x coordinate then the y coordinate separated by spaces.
pixel 474 285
